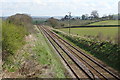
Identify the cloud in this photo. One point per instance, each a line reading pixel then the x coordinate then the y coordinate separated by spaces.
pixel 41 2
pixel 59 7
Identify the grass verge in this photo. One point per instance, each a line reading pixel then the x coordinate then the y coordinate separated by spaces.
pixel 47 55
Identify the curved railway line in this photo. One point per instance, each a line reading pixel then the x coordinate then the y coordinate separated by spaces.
pixel 81 64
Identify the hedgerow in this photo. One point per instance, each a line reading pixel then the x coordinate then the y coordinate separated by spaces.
pixel 12 37
pixel 103 50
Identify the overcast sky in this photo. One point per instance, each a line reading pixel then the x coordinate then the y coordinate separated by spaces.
pixel 58 7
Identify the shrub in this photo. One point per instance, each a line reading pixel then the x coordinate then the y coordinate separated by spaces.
pixel 53 22
pixel 21 20
pixel 12 37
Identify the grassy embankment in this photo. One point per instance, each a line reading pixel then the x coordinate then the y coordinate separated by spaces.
pixel 12 40
pixel 27 54
pixel 47 56
pixel 12 37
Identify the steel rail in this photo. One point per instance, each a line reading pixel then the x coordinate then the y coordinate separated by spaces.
pixel 59 53
pixel 87 63
pixel 117 77
pixel 81 66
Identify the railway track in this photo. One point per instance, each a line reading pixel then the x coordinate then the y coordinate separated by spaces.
pixel 81 64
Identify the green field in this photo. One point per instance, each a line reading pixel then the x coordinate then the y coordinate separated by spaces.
pixel 107 22
pixel 94 31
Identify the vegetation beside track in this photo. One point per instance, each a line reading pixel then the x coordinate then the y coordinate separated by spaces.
pixel 12 37
pixel 103 50
pixel 26 52
pixel 47 56
pixel 14 30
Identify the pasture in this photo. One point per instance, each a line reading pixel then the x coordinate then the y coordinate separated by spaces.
pixel 107 22
pixel 104 32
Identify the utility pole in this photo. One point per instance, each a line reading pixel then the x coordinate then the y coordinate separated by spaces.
pixel 69 21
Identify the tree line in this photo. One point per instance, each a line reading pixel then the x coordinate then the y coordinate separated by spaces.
pixel 93 16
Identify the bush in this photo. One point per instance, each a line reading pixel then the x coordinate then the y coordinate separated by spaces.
pixel 12 37
pixel 53 22
pixel 21 20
